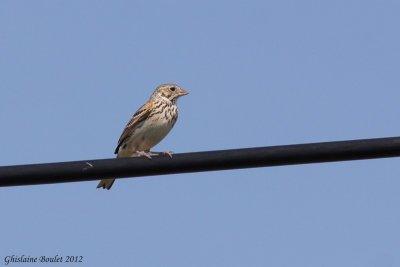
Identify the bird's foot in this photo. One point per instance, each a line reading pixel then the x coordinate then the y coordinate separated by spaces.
pixel 145 154
pixel 167 153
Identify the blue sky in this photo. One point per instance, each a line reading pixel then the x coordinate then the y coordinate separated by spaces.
pixel 259 73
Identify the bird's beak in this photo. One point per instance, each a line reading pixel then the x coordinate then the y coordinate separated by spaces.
pixel 183 92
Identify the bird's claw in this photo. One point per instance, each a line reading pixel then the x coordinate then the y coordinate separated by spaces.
pixel 150 154
pixel 145 154
pixel 167 153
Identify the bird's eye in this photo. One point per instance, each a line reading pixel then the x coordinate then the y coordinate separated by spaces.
pixel 172 89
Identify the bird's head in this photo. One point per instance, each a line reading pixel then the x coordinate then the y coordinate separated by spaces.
pixel 169 91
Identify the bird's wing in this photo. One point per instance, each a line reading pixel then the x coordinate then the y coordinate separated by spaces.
pixel 140 115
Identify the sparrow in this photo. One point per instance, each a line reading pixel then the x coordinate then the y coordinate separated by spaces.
pixel 148 126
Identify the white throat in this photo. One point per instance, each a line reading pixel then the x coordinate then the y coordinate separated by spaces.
pixel 163 99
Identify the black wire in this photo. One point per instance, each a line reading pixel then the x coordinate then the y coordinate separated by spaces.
pixel 87 170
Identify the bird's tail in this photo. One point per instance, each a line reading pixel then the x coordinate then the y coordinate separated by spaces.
pixel 106 183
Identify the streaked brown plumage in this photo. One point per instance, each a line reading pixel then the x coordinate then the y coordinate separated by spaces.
pixel 149 125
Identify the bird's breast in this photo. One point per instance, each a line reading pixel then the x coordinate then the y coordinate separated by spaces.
pixel 154 128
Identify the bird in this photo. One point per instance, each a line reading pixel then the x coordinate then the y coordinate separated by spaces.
pixel 148 126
